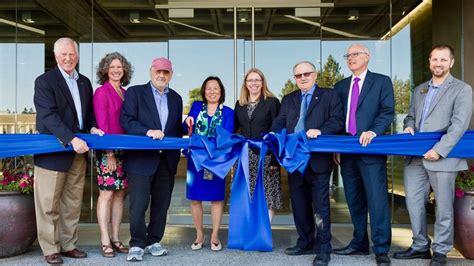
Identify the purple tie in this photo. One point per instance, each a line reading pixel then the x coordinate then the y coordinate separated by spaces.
pixel 352 128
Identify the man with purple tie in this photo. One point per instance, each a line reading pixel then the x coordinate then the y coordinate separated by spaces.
pixel 368 103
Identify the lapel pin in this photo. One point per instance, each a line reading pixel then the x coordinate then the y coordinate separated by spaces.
pixel 424 90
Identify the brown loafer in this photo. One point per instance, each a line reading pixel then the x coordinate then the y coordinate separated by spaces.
pixel 119 246
pixel 54 259
pixel 75 253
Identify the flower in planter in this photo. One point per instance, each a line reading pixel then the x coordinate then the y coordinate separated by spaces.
pixel 464 182
pixel 16 175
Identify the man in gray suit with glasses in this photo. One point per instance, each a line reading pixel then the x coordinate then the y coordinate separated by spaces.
pixel 443 104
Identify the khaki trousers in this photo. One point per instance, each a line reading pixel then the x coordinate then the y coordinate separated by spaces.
pixel 58 199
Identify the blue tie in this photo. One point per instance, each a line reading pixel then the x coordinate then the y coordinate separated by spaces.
pixel 304 107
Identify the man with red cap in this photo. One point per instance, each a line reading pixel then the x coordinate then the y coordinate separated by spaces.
pixel 152 110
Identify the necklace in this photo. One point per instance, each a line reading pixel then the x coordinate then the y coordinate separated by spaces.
pixel 119 92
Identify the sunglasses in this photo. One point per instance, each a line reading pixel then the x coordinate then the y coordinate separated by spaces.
pixel 306 74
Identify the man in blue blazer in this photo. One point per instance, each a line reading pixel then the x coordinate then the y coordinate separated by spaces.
pixel 368 103
pixel 63 102
pixel 152 110
pixel 316 111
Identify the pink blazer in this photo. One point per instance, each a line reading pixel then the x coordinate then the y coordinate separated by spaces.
pixel 107 107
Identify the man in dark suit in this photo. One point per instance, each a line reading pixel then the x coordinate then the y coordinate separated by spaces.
pixel 152 110
pixel 316 111
pixel 368 104
pixel 63 102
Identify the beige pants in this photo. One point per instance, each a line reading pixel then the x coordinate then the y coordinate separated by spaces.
pixel 58 199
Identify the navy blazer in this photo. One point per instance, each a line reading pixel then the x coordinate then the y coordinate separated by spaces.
pixel 56 114
pixel 324 113
pixel 139 114
pixel 376 107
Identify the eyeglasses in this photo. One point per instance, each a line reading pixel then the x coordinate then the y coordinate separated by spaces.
pixel 305 74
pixel 253 80
pixel 353 55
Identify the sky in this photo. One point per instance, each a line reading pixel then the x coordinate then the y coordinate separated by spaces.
pixel 194 60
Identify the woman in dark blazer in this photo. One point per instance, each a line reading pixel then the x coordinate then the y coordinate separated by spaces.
pixel 254 113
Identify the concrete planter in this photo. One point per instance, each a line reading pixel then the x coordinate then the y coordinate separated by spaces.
pixel 17 223
pixel 464 225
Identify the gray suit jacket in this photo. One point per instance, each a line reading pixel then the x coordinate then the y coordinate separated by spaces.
pixel 450 112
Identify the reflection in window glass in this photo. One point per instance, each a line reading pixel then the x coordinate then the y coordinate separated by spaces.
pixel 141 61
pixel 30 65
pixel 25 64
pixel 276 59
pixel 379 55
pixel 194 60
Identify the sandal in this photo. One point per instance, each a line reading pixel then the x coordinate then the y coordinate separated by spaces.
pixel 107 254
pixel 119 246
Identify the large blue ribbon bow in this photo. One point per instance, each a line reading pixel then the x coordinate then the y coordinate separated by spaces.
pixel 249 224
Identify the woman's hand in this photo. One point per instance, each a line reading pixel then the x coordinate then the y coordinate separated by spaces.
pixel 111 161
pixel 190 121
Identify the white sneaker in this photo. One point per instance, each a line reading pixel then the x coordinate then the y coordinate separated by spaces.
pixel 156 250
pixel 135 254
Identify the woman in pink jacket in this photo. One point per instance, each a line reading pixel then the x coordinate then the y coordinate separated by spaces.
pixel 113 72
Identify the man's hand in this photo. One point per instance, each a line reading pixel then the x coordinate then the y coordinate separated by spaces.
pixel 431 155
pixel 97 131
pixel 409 130
pixel 79 145
pixel 336 157
pixel 366 138
pixel 313 133
pixel 155 134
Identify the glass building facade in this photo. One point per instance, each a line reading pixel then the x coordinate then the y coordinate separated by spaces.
pixel 225 39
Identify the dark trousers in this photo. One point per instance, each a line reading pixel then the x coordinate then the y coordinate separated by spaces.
pixel 310 203
pixel 143 190
pixel 365 187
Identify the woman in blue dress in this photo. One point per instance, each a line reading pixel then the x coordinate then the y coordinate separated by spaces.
pixel 203 118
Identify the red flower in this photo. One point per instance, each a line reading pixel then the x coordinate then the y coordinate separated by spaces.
pixel 459 193
pixel 23 184
pixel 110 181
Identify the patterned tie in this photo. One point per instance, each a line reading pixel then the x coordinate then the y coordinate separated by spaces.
pixel 304 107
pixel 352 128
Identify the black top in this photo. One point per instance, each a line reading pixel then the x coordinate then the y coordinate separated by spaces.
pixel 260 121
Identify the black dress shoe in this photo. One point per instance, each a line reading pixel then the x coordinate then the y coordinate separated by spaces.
pixel 322 259
pixel 349 251
pixel 412 254
pixel 438 259
pixel 295 251
pixel 382 259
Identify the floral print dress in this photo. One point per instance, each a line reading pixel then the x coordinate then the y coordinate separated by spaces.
pixel 110 180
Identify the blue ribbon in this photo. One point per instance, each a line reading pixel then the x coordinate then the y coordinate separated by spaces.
pixel 293 150
pixel 216 154
pixel 249 225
